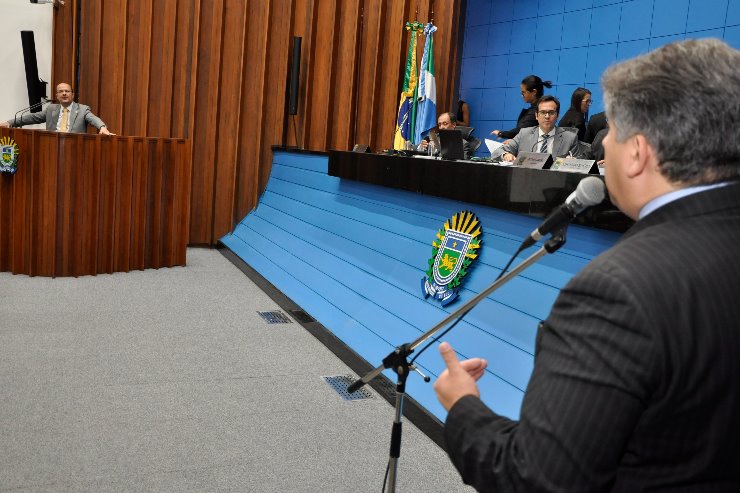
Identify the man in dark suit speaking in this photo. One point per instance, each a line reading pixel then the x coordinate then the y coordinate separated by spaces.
pixel 636 380
pixel 67 116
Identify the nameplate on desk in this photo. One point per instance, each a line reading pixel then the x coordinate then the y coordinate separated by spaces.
pixel 534 160
pixel 573 165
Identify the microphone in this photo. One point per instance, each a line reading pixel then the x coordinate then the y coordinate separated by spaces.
pixel 589 192
pixel 31 108
pixel 534 146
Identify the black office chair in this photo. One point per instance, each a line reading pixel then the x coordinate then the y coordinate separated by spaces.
pixel 474 143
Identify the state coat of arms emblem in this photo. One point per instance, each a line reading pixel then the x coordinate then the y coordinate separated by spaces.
pixel 8 155
pixel 453 252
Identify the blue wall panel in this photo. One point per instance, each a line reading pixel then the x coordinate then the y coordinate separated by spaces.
pixel 605 24
pixel 571 42
pixel 548 7
pixel 353 256
pixel 499 38
pixel 571 5
pixel 733 13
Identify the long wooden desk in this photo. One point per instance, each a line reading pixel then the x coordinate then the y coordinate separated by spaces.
pixel 529 191
pixel 84 204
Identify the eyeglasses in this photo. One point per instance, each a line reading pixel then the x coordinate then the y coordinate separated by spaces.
pixel 547 113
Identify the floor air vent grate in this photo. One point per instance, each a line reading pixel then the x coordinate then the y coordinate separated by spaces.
pixel 340 383
pixel 277 317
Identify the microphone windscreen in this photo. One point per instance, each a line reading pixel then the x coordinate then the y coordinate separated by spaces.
pixel 590 191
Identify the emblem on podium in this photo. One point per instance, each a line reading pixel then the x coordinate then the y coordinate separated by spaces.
pixel 453 253
pixel 8 155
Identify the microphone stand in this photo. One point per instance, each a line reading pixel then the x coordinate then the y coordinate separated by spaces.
pixel 398 359
pixel 30 108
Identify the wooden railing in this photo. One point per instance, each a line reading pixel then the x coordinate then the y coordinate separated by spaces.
pixel 82 204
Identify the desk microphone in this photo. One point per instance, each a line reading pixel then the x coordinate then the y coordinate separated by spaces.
pixel 590 191
pixel 534 146
pixel 30 108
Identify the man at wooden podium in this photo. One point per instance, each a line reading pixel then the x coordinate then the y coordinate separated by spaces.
pixel 67 116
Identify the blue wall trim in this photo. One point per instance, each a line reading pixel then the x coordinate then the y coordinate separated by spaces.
pixel 352 255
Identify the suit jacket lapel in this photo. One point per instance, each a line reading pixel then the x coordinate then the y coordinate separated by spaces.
pixel 73 109
pixel 52 125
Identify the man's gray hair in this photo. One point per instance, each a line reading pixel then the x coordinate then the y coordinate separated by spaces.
pixel 685 99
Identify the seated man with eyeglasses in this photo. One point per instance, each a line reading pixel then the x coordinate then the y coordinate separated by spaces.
pixel 544 138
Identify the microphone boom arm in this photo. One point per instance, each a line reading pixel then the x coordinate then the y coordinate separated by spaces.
pixel 397 360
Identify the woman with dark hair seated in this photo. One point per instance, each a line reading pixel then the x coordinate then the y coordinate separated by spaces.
pixel 463 113
pixel 576 115
pixel 532 89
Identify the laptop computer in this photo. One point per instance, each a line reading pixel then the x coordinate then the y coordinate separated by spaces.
pixel 451 144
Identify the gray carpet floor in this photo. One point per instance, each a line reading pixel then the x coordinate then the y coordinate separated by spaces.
pixel 169 380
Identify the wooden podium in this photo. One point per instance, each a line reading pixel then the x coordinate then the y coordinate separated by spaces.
pixel 82 204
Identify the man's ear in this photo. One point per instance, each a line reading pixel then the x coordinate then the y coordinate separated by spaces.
pixel 641 155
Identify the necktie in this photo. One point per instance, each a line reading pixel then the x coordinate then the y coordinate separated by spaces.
pixel 543 149
pixel 65 119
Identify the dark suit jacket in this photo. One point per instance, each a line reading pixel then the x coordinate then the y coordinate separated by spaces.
pixel 636 383
pixel 79 117
pixel 574 119
pixel 527 118
pixel 596 123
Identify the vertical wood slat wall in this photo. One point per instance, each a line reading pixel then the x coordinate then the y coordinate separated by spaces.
pixel 85 204
pixel 215 72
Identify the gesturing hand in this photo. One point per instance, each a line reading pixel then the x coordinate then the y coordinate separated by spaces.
pixel 458 380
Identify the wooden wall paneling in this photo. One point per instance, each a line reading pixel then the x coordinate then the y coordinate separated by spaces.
pixel 274 102
pixel 300 26
pixel 162 69
pixel 154 203
pixel 22 187
pixel 106 204
pixel 229 104
pixel 113 64
pixel 389 83
pixel 319 80
pixel 6 223
pixel 64 44
pixel 68 169
pixel 369 72
pixel 137 68
pixel 184 81
pixel 122 206
pixel 445 41
pixel 92 43
pixel 205 132
pixel 344 75
pixel 181 200
pixel 43 216
pixel 10 187
pixel 253 90
pixel 154 233
pixel 139 179
pixel 166 224
pixel 89 215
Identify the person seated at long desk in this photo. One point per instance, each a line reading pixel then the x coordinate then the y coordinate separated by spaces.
pixel 545 138
pixel 445 121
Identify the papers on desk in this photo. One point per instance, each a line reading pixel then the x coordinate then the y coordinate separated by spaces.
pixel 494 147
